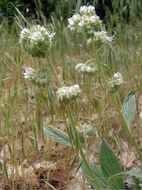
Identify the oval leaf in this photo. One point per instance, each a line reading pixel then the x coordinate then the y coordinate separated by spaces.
pixel 110 165
pixel 58 135
pixel 129 107
pixel 100 179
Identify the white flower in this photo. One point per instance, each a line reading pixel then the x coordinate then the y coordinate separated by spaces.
pixel 102 36
pixel 85 21
pixel 88 23
pixel 29 73
pixel 68 93
pixel 140 115
pixel 76 17
pixel 35 36
pixel 24 32
pixel 78 66
pixel 39 78
pixel 115 82
pixel 95 20
pixel 71 22
pixel 36 40
pixel 84 68
pixel 117 78
pixel 87 10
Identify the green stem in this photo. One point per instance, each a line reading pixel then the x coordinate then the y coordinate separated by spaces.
pixel 52 68
pixel 80 150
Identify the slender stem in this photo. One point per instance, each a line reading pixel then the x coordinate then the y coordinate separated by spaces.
pixel 80 149
pixel 54 71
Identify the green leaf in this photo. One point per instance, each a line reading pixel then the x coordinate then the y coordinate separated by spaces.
pixel 110 165
pixel 131 173
pixel 57 135
pixel 100 179
pixel 129 107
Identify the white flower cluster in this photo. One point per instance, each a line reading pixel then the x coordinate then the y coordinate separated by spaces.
pixel 84 68
pixel 36 40
pixel 29 73
pixel 65 93
pixel 103 37
pixel 39 78
pixel 88 22
pixel 116 81
pixel 87 10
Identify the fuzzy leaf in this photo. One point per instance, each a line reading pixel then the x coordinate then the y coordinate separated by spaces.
pixel 57 135
pixel 100 179
pixel 129 107
pixel 110 165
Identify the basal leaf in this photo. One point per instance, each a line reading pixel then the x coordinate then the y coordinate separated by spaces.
pixel 100 179
pixel 129 107
pixel 110 165
pixel 58 135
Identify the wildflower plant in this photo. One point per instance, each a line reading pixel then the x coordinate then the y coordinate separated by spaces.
pixel 66 94
pixel 36 40
pixel 87 22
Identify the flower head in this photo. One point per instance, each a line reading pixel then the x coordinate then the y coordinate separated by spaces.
pixel 115 82
pixel 87 22
pixel 39 78
pixel 117 77
pixel 87 10
pixel 84 68
pixel 36 40
pixel 65 93
pixel 102 37
pixel 29 73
